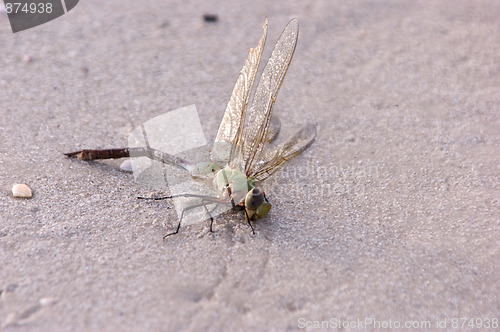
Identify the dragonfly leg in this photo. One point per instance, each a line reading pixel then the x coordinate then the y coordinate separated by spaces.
pixel 176 231
pixel 204 204
pixel 205 200
pixel 210 215
pixel 248 220
pixel 180 219
pixel 228 189
pixel 229 192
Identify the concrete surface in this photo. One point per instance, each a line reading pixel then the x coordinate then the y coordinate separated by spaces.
pixel 392 214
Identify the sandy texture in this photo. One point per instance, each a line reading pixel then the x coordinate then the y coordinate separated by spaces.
pixel 392 214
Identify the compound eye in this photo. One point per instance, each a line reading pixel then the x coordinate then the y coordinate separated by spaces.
pixel 254 199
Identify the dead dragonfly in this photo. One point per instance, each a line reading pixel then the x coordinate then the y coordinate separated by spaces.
pixel 241 154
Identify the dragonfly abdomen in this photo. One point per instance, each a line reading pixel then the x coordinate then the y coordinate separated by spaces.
pixel 91 154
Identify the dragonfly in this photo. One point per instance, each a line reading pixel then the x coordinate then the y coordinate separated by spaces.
pixel 243 153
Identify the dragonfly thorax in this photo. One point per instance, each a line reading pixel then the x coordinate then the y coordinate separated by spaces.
pixel 205 169
pixel 237 182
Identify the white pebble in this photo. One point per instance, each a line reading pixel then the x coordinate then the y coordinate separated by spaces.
pixel 126 166
pixel 47 301
pixel 21 190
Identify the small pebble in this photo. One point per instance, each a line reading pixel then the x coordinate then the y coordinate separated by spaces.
pixel 21 190
pixel 210 18
pixel 126 166
pixel 84 70
pixel 350 139
pixel 47 301
pixel 11 287
pixel 10 319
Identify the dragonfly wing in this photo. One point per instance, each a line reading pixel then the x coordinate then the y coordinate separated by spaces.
pixel 274 129
pixel 273 158
pixel 259 118
pixel 230 129
pixel 270 149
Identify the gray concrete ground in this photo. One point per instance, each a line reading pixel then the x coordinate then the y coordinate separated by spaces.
pixel 392 214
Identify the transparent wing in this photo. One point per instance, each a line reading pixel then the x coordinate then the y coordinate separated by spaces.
pixel 256 130
pixel 273 157
pixel 230 129
pixel 274 129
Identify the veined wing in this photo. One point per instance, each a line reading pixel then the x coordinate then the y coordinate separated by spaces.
pixel 230 129
pixel 274 157
pixel 255 132
pixel 274 128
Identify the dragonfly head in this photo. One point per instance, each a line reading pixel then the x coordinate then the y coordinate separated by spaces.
pixel 256 205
